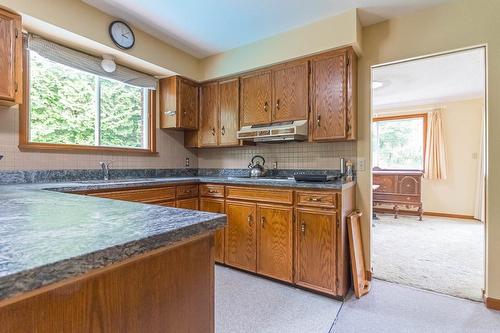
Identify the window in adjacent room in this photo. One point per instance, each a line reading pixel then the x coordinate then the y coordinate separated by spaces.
pixel 73 108
pixel 399 142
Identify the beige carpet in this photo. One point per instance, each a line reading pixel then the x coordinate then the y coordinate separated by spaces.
pixel 438 254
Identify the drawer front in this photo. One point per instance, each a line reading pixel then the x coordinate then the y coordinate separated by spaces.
pixel 317 199
pixel 396 198
pixel 387 183
pixel 260 194
pixel 187 191
pixel 147 195
pixel 212 190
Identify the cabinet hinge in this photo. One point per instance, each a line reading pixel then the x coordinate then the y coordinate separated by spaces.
pixel 347 62
pixel 16 87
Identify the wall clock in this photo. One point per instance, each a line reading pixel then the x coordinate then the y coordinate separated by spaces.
pixel 121 34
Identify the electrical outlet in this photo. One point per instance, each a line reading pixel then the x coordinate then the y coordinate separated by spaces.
pixel 361 164
pixel 187 162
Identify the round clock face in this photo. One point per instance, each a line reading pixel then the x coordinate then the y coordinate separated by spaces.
pixel 121 34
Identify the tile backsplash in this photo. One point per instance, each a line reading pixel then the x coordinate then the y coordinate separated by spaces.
pixel 296 155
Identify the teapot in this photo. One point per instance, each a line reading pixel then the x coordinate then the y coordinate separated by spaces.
pixel 257 169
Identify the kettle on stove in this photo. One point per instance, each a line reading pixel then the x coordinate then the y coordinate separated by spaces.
pixel 256 168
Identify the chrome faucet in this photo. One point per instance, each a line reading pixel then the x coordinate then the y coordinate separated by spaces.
pixel 105 169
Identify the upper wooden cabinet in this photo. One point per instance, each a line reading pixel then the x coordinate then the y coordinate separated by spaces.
pixel 219 115
pixel 290 92
pixel 256 97
pixel 178 103
pixel 333 96
pixel 11 57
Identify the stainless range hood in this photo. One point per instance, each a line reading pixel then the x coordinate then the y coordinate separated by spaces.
pixel 277 132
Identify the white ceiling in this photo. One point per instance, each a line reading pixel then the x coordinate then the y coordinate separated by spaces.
pixel 433 80
pixel 206 27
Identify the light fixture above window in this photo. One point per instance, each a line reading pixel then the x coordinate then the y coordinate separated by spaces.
pixel 108 63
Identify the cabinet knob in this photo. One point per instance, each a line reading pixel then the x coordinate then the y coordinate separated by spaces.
pixel 223 130
pixel 212 191
pixel 265 106
pixel 303 227
pixel 278 104
pixel 262 221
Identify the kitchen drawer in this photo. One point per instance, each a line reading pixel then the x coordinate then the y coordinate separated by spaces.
pixel 146 195
pixel 260 194
pixel 212 190
pixel 167 203
pixel 394 198
pixel 316 199
pixel 187 191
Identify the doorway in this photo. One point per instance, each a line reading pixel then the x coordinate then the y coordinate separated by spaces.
pixel 428 168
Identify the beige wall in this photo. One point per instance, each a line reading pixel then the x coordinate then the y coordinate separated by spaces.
pixel 288 155
pixel 170 145
pixel 87 22
pixel 455 25
pixel 341 30
pixel 462 133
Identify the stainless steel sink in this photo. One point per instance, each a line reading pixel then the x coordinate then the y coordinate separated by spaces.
pixel 263 179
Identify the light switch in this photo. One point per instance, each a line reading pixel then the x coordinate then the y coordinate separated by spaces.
pixel 361 164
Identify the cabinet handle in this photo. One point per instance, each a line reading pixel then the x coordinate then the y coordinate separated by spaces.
pixel 262 221
pixel 250 218
pixel 278 104
pixel 223 130
pixel 169 113
pixel 212 191
pixel 265 106
pixel 303 227
pixel 213 131
pixel 315 199
pixel 318 120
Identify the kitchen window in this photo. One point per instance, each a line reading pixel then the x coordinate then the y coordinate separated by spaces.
pixel 69 108
pixel 399 142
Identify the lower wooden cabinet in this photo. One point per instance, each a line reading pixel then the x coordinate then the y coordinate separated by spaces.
pixel 241 238
pixel 315 261
pixel 275 241
pixel 215 206
pixel 191 203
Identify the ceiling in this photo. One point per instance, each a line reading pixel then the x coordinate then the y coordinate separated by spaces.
pixel 426 81
pixel 205 27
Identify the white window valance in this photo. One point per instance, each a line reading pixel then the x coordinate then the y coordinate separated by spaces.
pixel 87 63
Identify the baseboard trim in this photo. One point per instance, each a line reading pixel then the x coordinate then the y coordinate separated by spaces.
pixel 493 303
pixel 455 216
pixel 414 213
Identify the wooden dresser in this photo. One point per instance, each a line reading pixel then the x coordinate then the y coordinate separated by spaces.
pixel 398 189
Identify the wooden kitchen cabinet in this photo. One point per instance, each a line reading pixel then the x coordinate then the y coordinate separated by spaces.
pixel 290 91
pixel 215 206
pixel 275 242
pixel 209 114
pixel 11 57
pixel 332 96
pixel 191 203
pixel 315 260
pixel 219 116
pixel 241 235
pixel 256 98
pixel 178 103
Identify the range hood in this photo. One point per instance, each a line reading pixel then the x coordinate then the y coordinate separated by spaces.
pixel 276 132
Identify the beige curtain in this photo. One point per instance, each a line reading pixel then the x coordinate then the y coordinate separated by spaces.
pixel 435 154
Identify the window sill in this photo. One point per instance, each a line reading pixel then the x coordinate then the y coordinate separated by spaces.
pixel 48 147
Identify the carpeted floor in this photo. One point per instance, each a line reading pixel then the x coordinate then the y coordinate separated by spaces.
pixel 245 303
pixel 438 254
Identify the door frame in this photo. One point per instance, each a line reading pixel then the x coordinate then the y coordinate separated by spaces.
pixel 485 148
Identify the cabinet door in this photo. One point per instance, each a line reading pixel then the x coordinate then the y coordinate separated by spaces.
pixel 209 114
pixel 315 265
pixel 290 100
pixel 215 206
pixel 188 104
pixel 275 242
pixel 229 112
pixel 10 57
pixel 188 203
pixel 241 240
pixel 328 97
pixel 256 99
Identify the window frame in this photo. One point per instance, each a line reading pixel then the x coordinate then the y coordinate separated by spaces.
pixel 424 136
pixel 24 127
